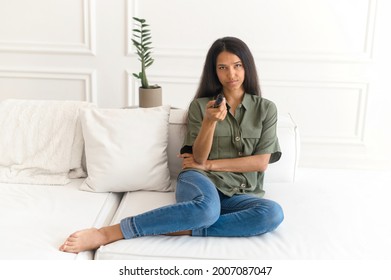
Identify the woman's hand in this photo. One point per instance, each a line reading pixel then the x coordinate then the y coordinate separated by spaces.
pixel 218 113
pixel 189 162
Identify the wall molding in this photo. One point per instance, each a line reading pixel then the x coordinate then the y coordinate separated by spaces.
pixel 86 47
pixel 88 77
pixel 132 7
pixel 360 88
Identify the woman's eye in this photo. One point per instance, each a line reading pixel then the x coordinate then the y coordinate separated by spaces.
pixel 238 65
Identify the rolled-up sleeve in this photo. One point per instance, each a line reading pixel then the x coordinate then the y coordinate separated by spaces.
pixel 194 122
pixel 268 142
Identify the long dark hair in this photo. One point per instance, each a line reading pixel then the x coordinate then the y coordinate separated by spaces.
pixel 210 84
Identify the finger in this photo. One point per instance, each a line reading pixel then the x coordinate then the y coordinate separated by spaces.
pixel 185 155
pixel 224 103
pixel 210 104
pixel 221 116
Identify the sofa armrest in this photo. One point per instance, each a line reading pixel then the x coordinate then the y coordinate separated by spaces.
pixel 284 170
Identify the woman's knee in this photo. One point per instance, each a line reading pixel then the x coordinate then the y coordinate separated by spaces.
pixel 271 215
pixel 206 210
pixel 207 213
pixel 190 185
pixel 277 215
pixel 197 188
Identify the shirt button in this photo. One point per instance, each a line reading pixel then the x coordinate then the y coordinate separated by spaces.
pixel 237 138
pixel 240 153
pixel 243 185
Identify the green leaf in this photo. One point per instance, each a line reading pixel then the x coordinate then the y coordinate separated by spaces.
pixel 148 64
pixel 139 19
pixel 149 60
pixel 147 38
pixel 142 40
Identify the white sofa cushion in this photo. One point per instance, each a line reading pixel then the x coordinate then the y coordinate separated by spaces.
pixel 36 219
pixel 126 149
pixel 40 141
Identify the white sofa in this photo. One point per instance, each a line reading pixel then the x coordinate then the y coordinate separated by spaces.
pixel 329 214
pixel 36 218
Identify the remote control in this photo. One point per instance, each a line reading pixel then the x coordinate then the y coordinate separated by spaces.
pixel 218 101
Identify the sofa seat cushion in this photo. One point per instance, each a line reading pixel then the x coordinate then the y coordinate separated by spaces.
pixel 329 214
pixel 173 247
pixel 182 247
pixel 36 219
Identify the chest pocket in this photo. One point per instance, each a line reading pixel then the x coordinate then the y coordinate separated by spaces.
pixel 251 131
pixel 250 140
pixel 231 142
pixel 222 146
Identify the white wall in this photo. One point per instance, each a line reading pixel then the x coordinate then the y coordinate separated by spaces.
pixel 324 61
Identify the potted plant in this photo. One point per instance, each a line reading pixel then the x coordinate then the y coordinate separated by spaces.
pixel 149 95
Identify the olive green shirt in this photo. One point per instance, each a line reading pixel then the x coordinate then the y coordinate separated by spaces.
pixel 252 131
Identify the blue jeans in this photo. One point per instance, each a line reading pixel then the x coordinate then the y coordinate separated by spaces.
pixel 205 211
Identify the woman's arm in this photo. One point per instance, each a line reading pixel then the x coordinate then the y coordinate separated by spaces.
pixel 203 143
pixel 256 163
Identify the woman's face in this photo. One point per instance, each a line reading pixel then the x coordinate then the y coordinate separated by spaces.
pixel 230 71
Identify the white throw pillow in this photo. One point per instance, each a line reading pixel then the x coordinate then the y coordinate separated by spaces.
pixel 40 141
pixel 126 149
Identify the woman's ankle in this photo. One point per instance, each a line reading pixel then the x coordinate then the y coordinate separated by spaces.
pixel 111 233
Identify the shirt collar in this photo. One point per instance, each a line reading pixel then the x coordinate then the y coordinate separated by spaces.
pixel 246 102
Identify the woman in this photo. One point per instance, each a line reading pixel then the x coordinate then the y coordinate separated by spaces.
pixel 225 153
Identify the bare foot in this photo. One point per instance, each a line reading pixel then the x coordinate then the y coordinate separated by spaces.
pixel 91 239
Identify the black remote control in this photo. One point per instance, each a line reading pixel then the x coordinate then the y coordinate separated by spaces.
pixel 218 101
